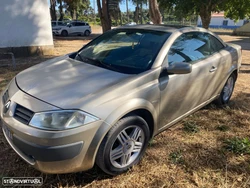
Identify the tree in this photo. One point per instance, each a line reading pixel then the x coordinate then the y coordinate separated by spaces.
pixel 154 12
pixel 76 7
pixel 136 14
pixel 53 9
pixel 103 11
pixel 114 10
pixel 138 10
pixel 204 8
pixel 60 2
pixel 236 10
pixel 127 10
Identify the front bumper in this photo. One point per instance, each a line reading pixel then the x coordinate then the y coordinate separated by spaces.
pixel 56 32
pixel 50 151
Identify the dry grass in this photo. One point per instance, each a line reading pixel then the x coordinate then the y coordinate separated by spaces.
pixel 176 157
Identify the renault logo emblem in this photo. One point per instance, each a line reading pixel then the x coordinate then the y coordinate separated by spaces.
pixel 6 107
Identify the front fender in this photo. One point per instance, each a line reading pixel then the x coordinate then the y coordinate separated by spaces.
pixel 129 106
pixel 115 115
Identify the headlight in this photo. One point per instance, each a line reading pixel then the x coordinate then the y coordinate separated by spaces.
pixel 60 120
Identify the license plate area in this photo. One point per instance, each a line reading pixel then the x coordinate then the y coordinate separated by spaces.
pixel 7 132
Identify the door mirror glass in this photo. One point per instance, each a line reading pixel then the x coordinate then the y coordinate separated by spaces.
pixel 179 68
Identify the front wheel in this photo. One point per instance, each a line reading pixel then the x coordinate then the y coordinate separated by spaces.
pixel 227 90
pixel 64 33
pixel 124 145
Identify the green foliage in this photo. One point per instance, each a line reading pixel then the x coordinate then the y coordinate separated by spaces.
pixel 185 8
pixel 176 157
pixel 190 127
pixel 78 7
pixel 238 145
pixel 234 9
pixel 237 10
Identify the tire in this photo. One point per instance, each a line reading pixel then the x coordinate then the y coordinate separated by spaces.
pixel 87 33
pixel 227 91
pixel 124 145
pixel 64 33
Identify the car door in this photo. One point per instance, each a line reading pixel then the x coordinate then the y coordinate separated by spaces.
pixel 183 93
pixel 82 27
pixel 73 28
pixel 222 62
pixel 77 29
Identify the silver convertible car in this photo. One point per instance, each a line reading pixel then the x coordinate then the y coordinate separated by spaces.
pixel 105 102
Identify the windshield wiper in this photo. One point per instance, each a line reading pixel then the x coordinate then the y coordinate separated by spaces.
pixel 98 63
pixel 79 55
pixel 106 65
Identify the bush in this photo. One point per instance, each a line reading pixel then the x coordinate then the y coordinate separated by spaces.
pixel 238 145
pixel 190 127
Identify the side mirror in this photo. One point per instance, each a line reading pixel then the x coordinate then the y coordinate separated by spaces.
pixel 69 25
pixel 179 68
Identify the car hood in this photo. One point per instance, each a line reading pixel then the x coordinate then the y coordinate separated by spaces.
pixel 63 81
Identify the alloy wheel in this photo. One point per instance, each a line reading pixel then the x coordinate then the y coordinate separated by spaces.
pixel 127 146
pixel 228 88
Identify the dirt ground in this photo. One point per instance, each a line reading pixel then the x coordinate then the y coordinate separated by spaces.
pixel 190 154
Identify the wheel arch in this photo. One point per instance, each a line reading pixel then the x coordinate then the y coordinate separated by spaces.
pixel 146 115
pixel 138 107
pixel 235 72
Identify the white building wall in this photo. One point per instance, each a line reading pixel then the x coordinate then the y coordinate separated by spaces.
pixel 218 22
pixel 25 23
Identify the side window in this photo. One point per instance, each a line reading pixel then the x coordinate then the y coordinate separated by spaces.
pixel 216 45
pixel 80 24
pixel 225 22
pixel 61 23
pixel 189 47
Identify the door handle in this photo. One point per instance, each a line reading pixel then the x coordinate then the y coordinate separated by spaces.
pixel 213 69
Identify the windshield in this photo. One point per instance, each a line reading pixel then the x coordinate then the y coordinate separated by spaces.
pixel 127 51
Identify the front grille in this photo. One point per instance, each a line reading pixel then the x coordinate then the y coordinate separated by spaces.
pixel 23 114
pixel 5 97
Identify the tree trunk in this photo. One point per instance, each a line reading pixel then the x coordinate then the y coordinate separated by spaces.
pixel 154 12
pixel 127 10
pixel 137 12
pixel 205 14
pixel 120 15
pixel 141 13
pixel 53 10
pixel 104 15
pixel 74 14
pixel 61 10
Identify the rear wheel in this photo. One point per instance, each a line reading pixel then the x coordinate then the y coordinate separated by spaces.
pixel 227 91
pixel 87 33
pixel 124 145
pixel 64 33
